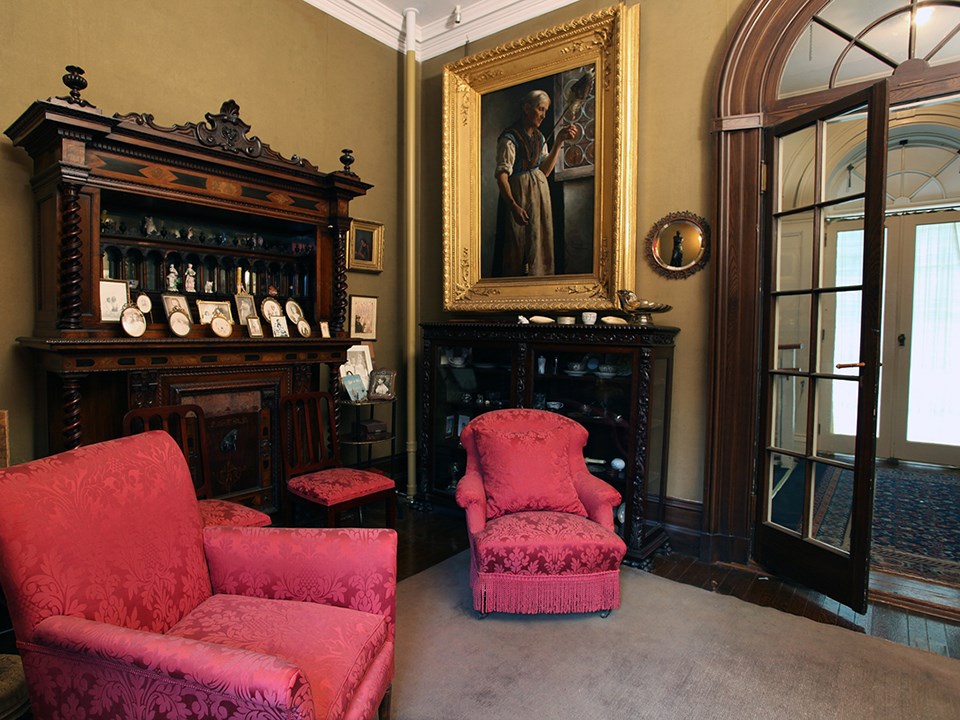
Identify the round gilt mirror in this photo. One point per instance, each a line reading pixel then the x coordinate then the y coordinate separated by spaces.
pixel 678 245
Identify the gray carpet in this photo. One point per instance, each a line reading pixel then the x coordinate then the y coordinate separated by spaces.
pixel 671 651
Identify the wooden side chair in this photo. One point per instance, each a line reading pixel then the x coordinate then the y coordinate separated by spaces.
pixel 187 426
pixel 311 458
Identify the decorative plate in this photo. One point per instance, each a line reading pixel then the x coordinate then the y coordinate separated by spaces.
pixel 179 323
pixel 132 321
pixel 271 308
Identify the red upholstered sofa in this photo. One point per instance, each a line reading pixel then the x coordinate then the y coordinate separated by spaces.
pixel 540 525
pixel 125 606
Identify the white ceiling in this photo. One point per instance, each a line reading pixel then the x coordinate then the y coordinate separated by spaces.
pixel 437 29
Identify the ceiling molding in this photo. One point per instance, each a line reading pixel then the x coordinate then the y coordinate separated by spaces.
pixel 477 20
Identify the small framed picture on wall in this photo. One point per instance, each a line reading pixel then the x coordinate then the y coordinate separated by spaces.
pixel 363 317
pixel 365 246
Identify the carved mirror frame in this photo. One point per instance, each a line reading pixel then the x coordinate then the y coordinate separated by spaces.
pixel 678 245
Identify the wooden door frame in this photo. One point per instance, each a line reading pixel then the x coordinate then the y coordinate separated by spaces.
pixel 746 103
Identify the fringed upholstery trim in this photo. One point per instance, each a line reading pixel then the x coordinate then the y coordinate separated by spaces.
pixel 535 594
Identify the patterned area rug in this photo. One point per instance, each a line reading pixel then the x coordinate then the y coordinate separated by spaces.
pixel 916 520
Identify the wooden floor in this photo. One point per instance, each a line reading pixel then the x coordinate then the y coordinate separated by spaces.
pixel 426 538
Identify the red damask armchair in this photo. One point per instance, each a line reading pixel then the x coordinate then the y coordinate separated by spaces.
pixel 540 525
pixel 125 606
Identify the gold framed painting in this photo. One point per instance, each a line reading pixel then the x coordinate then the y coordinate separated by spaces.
pixel 540 169
pixel 365 246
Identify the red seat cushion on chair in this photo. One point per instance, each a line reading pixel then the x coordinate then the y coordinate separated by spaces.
pixel 526 470
pixel 342 642
pixel 337 485
pixel 547 543
pixel 215 512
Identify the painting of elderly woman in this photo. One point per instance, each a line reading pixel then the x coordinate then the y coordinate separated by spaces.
pixel 537 182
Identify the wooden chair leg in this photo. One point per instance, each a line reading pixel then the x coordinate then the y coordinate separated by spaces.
pixel 392 511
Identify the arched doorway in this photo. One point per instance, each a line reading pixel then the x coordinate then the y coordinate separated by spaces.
pixel 752 97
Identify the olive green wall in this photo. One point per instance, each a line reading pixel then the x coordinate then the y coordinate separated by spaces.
pixel 308 84
pixel 681 46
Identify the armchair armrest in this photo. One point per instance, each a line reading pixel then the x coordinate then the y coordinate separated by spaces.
pixel 472 498
pixel 348 567
pixel 599 498
pixel 90 662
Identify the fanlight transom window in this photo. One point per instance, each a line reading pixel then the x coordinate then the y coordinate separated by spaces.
pixel 851 41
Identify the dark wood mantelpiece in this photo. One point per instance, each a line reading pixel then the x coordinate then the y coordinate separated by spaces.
pixel 219 199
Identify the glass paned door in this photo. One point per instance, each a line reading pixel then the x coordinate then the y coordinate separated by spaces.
pixel 919 420
pixel 815 501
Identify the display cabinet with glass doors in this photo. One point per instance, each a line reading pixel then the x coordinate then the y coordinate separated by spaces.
pixel 613 379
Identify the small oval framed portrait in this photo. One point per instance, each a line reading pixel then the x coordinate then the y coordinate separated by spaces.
pixel 303 327
pixel 180 323
pixel 294 311
pixel 144 303
pixel 221 326
pixel 132 321
pixel 271 308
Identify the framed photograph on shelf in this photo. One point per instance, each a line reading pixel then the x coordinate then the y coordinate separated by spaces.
pixel 450 426
pixel 172 303
pixel 246 307
pixel 114 297
pixel 462 421
pixel 324 329
pixel 353 384
pixel 383 384
pixel 254 328
pixel 278 326
pixel 365 246
pixel 363 317
pixel 208 308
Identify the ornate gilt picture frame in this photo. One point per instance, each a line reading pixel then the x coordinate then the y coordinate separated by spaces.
pixel 500 252
pixel 365 246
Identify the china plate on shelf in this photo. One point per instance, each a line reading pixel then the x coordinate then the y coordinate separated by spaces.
pixel 576 373
pixel 605 375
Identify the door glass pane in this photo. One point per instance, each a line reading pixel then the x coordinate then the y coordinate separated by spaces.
pixel 797 168
pixel 933 412
pixel 792 332
pixel 842 257
pixel 840 326
pixel 844 138
pixel 786 490
pixel 795 238
pixel 790 413
pixel 832 502
pixel 837 416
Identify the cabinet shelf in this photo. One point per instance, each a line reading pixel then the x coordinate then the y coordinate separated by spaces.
pixel 353 440
pixel 121 209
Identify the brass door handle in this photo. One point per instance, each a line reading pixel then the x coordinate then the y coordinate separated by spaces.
pixel 841 366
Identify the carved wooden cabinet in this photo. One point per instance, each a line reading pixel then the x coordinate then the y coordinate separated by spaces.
pixel 613 379
pixel 192 211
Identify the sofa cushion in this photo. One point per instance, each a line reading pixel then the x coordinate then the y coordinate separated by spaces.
pixel 342 642
pixel 547 543
pixel 526 470
pixel 215 513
